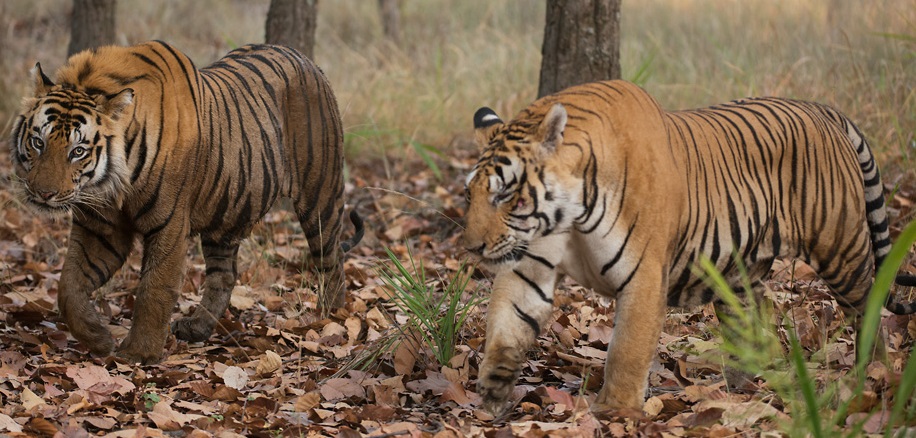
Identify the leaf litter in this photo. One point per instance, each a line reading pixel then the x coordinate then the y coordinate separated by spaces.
pixel 273 367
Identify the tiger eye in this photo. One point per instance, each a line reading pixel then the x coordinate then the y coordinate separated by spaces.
pixel 37 143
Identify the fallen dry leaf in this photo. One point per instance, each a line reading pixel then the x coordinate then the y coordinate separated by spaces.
pixel 307 401
pixel 871 423
pixel 105 423
pixel 235 377
pixel 98 383
pixel 7 424
pixel 653 406
pixel 341 388
pixel 405 355
pixel 167 418
pixel 269 363
pixel 241 298
pixel 42 426
pixel 29 399
pixel 456 393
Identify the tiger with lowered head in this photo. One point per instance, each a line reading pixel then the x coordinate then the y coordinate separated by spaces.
pixel 599 183
pixel 137 142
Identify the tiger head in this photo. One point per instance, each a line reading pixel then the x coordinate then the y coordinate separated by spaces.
pixel 68 145
pixel 517 191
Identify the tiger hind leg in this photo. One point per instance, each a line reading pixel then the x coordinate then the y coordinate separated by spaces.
pixel 739 332
pixel 322 228
pixel 221 274
pixel 850 279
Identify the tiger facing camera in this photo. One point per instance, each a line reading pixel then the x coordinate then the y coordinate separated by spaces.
pixel 137 143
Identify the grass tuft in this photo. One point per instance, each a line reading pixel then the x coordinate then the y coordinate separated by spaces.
pixel 438 316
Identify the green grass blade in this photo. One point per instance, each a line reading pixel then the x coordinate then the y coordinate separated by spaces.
pixel 904 394
pixel 897 36
pixel 806 385
pixel 879 291
pixel 715 280
pixel 644 69
pixel 423 150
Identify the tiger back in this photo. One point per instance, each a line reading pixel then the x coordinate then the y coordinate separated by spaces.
pixel 137 142
pixel 599 183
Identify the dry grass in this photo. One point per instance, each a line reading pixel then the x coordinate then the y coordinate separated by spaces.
pixel 457 55
pixel 859 57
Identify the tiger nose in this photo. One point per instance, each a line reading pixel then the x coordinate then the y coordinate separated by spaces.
pixel 46 195
pixel 474 248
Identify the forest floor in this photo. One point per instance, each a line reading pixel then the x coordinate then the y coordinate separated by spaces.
pixel 274 368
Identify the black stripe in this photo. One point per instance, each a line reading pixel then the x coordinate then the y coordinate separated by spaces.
pixel 632 274
pixel 156 229
pixel 539 259
pixel 152 63
pixel 216 269
pixel 874 204
pixel 141 158
pixel 534 286
pixel 528 320
pixel 623 246
pixel 181 58
pixel 151 202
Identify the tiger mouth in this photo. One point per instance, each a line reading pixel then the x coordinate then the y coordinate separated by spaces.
pixel 513 255
pixel 52 206
pixel 55 207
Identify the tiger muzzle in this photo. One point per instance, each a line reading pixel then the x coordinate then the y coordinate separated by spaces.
pixel 478 250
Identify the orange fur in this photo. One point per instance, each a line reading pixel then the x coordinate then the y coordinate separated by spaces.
pixel 599 183
pixel 174 151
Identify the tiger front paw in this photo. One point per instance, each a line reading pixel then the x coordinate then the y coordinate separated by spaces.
pixel 102 346
pixel 621 399
pixel 141 357
pixel 193 329
pixel 86 326
pixel 144 349
pixel 496 382
pixel 90 332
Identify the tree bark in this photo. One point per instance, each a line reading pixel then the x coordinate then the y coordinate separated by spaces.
pixel 581 43
pixel 93 25
pixel 292 23
pixel 390 11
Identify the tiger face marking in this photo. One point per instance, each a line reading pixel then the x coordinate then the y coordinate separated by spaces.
pixel 68 146
pixel 508 191
pixel 502 202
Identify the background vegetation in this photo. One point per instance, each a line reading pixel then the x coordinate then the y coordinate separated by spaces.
pixel 457 55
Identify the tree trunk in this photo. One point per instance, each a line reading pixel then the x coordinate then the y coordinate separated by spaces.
pixel 581 43
pixel 93 25
pixel 390 11
pixel 292 23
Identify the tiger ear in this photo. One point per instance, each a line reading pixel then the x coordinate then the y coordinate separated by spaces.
pixel 41 84
pixel 114 105
pixel 550 132
pixel 486 123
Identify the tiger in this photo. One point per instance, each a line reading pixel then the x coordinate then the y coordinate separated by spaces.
pixel 599 183
pixel 137 143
